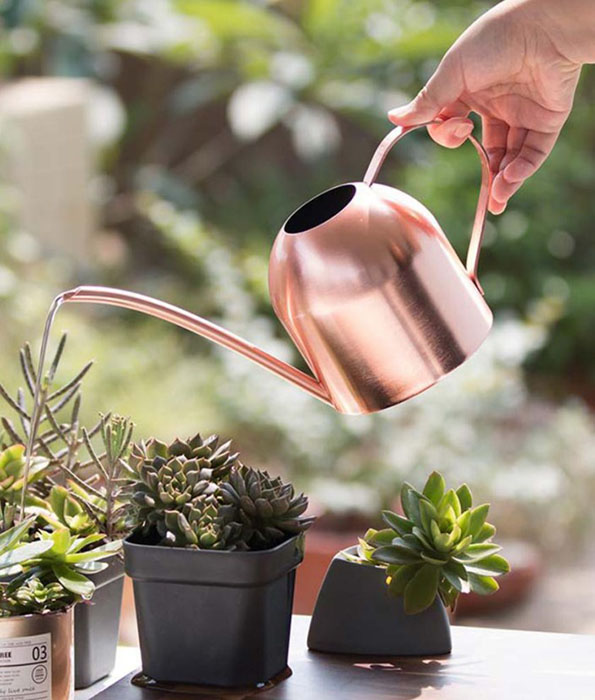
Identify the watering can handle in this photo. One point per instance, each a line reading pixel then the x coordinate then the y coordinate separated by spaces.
pixel 484 193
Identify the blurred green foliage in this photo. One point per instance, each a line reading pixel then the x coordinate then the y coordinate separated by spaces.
pixel 241 109
pixel 215 119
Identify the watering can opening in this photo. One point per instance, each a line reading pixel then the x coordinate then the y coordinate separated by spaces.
pixel 320 209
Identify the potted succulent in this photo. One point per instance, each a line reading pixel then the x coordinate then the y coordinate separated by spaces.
pixel 213 563
pixel 43 575
pixel 388 596
pixel 76 482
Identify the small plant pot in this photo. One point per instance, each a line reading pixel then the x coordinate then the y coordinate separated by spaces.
pixel 355 614
pixel 96 626
pixel 213 617
pixel 37 656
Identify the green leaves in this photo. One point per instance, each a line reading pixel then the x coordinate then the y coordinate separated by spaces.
pixel 478 516
pixel 422 589
pixel 465 497
pixel 410 503
pixel 484 585
pixel 434 488
pixel 475 552
pixel 493 565
pixel 401 578
pixel 395 555
pixel 397 522
pixel 73 581
pixel 441 545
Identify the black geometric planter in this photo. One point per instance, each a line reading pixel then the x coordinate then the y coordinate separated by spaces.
pixel 355 614
pixel 96 626
pixel 213 617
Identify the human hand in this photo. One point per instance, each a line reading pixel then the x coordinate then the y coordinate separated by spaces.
pixel 517 68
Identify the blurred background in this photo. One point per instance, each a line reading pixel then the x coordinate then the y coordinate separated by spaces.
pixel 159 145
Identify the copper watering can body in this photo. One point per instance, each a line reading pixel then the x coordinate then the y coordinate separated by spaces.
pixel 372 293
pixel 369 289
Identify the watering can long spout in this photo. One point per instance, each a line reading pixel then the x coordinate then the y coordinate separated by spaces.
pixel 200 326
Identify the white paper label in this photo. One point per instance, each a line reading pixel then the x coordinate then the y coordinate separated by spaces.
pixel 26 668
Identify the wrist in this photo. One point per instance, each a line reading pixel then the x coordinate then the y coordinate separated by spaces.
pixel 570 25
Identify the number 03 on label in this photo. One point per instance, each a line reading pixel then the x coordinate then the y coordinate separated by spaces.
pixel 26 668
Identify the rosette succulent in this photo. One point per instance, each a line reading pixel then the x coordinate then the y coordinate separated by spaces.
pixel 175 486
pixel 196 494
pixel 266 510
pixel 12 476
pixel 440 546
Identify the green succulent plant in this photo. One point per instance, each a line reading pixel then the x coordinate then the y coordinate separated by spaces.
pixel 196 494
pixel 179 477
pixel 33 596
pixel 265 510
pixel 12 476
pixel 200 526
pixel 15 550
pixel 66 560
pixel 440 546
pixel 66 511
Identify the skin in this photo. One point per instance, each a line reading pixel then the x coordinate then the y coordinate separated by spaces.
pixel 517 66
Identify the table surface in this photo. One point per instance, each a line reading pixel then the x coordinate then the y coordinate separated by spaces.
pixel 485 663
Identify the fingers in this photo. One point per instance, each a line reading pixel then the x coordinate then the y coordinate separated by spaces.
pixel 519 163
pixel 494 138
pixel 442 90
pixel 455 128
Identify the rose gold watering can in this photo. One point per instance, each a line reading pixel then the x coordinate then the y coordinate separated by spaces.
pixel 369 289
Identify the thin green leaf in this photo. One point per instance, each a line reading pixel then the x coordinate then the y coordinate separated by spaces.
pixel 453 579
pixel 449 500
pixel 476 552
pixel 434 488
pixel 401 578
pixel 486 533
pixel 410 503
pixel 433 559
pixel 494 565
pixel 397 522
pixel 394 555
pixel 484 585
pixel 428 514
pixel 422 538
pixel 380 537
pixel 465 497
pixel 24 552
pixel 478 516
pixel 421 590
pixel 73 581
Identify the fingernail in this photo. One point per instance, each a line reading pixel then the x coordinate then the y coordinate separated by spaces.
pixel 398 111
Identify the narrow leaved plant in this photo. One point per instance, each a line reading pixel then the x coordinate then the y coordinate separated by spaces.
pixel 440 546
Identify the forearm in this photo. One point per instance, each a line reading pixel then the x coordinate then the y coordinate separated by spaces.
pixel 569 23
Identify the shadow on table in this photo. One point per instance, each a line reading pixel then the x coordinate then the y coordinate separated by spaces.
pixel 402 678
pixel 316 675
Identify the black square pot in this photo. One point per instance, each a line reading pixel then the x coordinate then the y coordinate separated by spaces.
pixel 356 614
pixel 213 617
pixel 96 625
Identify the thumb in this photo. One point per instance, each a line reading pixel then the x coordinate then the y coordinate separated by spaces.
pixel 442 89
